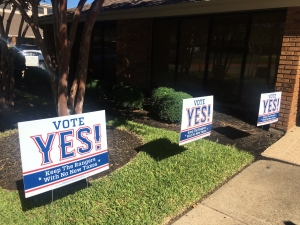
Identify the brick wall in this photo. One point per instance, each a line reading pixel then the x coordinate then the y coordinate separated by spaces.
pixel 289 72
pixel 134 52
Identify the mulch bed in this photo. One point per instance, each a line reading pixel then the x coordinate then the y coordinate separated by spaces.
pixel 122 145
pixel 226 130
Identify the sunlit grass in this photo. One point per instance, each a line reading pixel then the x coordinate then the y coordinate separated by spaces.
pixel 162 181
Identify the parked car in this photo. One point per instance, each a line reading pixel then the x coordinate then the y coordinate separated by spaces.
pixel 19 61
pixel 33 56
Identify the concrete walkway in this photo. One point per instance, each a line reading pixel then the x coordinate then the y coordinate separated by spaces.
pixel 266 192
pixel 287 148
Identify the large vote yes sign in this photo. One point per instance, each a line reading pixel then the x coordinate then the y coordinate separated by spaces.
pixel 59 151
pixel 197 116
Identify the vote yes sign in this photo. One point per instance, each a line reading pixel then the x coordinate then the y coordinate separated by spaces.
pixel 269 108
pixel 59 151
pixel 196 122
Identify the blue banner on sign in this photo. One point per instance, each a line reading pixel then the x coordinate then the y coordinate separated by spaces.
pixel 63 172
pixel 193 133
pixel 267 117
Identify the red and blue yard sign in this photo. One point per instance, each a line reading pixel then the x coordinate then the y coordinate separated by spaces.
pixel 59 151
pixel 269 108
pixel 197 116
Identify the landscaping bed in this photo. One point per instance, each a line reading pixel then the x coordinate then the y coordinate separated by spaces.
pixel 158 179
pixel 162 181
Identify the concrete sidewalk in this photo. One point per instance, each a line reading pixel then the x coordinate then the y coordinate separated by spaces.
pixel 287 148
pixel 266 192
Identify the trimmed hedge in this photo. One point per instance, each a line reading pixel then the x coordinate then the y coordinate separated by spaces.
pixel 129 97
pixel 170 106
pixel 159 93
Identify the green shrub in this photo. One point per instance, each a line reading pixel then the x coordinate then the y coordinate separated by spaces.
pixel 170 106
pixel 129 97
pixel 158 94
pixel 117 87
pixel 95 87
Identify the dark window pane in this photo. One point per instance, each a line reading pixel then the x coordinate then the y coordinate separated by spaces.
pixel 49 11
pixel 109 54
pixel 164 53
pixel 102 61
pixel 263 52
pixel 40 10
pixel 192 52
pixel 226 53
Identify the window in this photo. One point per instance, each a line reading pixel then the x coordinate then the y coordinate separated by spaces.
pixel 164 52
pixel 232 56
pixel 40 10
pixel 192 55
pixel 263 55
pixel 103 56
pixel 225 56
pixel 49 11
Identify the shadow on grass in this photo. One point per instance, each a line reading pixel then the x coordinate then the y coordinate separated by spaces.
pixel 161 149
pixel 46 197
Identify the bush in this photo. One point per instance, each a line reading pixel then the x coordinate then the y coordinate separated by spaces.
pixel 158 94
pixel 170 106
pixel 95 87
pixel 117 87
pixel 129 97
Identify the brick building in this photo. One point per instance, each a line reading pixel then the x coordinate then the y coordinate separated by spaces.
pixel 232 49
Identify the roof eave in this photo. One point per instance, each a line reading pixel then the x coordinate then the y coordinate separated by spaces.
pixel 188 9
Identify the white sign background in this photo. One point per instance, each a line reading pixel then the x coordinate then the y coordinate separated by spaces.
pixel 78 149
pixel 197 116
pixel 269 108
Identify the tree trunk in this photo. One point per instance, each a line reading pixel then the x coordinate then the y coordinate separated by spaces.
pixel 3 76
pixel 64 62
pixel 81 72
pixel 11 79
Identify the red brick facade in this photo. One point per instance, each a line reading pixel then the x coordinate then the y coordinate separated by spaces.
pixel 134 52
pixel 289 72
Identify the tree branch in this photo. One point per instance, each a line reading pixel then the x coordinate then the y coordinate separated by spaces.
pixel 55 10
pixel 21 27
pixel 2 32
pixel 42 46
pixel 22 10
pixel 21 35
pixel 81 72
pixel 11 15
pixel 75 23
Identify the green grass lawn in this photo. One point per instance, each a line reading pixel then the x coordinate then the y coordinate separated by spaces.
pixel 162 181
